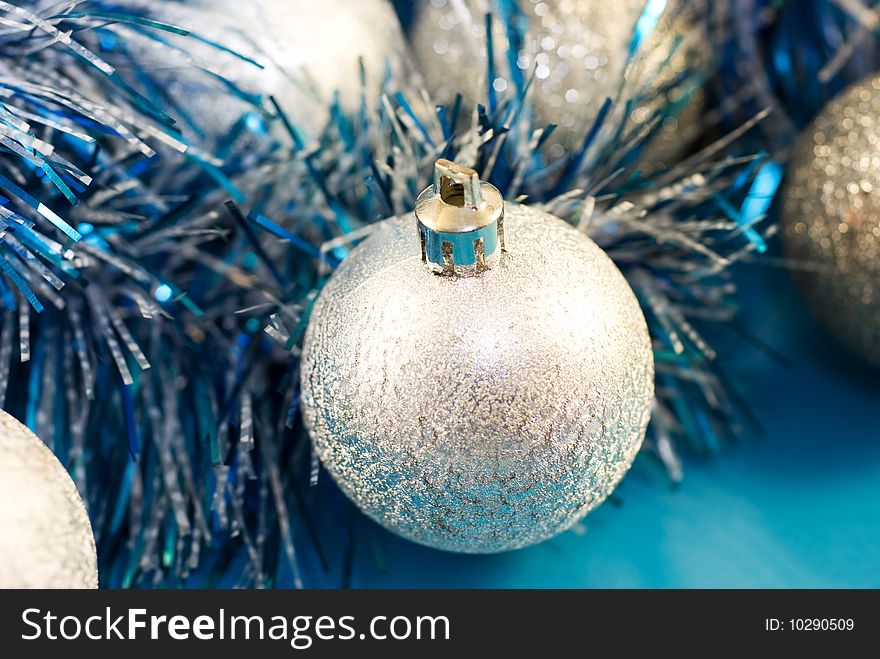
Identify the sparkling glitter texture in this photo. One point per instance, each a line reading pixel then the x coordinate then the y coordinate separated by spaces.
pixel 831 217
pixel 308 51
pixel 662 60
pixel 578 49
pixel 478 414
pixel 45 537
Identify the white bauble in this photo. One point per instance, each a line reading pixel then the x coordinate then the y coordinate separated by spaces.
pixel 309 51
pixel 46 540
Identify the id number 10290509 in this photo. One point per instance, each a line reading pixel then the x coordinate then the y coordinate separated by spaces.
pixel 821 624
pixel 809 624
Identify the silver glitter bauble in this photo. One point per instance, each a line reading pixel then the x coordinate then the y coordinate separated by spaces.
pixel 309 51
pixel 486 395
pixel 46 540
pixel 831 217
pixel 578 49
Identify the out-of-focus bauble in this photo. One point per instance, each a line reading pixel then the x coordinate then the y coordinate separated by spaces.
pixel 679 42
pixel 831 217
pixel 309 51
pixel 578 49
pixel 475 387
pixel 46 540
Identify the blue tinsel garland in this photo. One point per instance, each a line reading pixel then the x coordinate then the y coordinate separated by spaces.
pixel 792 56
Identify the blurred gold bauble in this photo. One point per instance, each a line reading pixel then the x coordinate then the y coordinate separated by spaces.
pixel 831 217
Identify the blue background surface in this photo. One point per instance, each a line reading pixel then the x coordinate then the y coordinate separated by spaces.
pixel 798 506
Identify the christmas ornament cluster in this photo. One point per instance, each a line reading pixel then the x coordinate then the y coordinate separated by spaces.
pixel 189 321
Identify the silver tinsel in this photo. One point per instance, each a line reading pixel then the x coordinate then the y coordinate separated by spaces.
pixel 478 414
pixel 831 217
pixel 46 540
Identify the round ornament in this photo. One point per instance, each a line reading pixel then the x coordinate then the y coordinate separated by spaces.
pixel 577 48
pixel 831 217
pixel 477 376
pixel 308 52
pixel 678 44
pixel 46 540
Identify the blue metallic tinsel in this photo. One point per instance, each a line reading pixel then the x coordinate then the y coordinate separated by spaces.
pixel 792 56
pixel 154 291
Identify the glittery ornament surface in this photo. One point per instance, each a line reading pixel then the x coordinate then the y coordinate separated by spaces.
pixel 831 217
pixel 308 51
pixel 46 540
pixel 678 44
pixel 577 48
pixel 581 49
pixel 478 414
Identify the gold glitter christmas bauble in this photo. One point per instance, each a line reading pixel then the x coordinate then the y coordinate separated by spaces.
pixel 46 540
pixel 309 51
pixel 476 377
pixel 831 217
